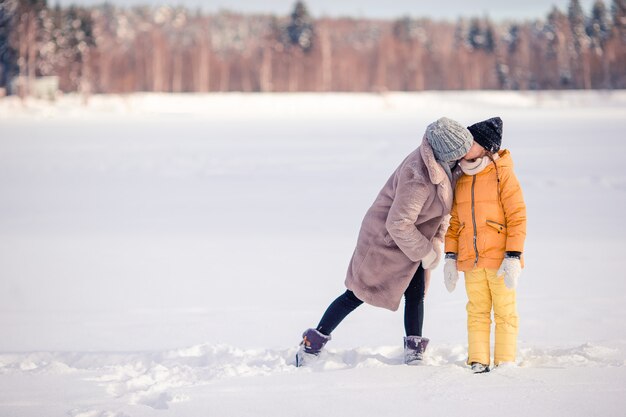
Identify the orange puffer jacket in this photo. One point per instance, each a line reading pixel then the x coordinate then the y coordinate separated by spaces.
pixel 486 222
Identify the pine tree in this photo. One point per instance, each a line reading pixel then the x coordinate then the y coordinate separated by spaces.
pixel 460 32
pixel 513 38
pixel 580 40
pixel 616 45
pixel 599 26
pixel 77 32
pixel 576 18
pixel 490 38
pixel 48 50
pixel 8 54
pixel 300 30
pixel 475 34
pixel 26 39
pixel 618 11
pixel 558 50
pixel 599 31
pixel 481 35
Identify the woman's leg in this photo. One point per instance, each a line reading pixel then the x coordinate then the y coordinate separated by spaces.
pixel 345 304
pixel 414 304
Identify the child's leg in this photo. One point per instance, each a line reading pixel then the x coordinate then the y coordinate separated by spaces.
pixel 506 318
pixel 338 310
pixel 478 316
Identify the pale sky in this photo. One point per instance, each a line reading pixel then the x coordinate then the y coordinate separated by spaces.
pixel 448 9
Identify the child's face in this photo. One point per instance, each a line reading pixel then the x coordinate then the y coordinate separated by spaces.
pixel 476 151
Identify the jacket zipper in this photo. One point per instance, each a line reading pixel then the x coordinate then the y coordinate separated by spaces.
pixel 474 222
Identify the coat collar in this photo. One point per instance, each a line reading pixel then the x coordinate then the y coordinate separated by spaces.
pixel 504 161
pixel 435 171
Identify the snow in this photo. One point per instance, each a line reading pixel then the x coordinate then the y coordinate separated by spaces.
pixel 162 254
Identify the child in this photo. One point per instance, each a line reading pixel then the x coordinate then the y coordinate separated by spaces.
pixel 485 240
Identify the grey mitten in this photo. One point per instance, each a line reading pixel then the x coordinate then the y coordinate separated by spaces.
pixel 511 268
pixel 450 273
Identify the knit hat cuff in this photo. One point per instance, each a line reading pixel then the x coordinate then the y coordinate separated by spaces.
pixel 454 154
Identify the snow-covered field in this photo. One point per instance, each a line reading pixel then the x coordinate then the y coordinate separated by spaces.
pixel 161 255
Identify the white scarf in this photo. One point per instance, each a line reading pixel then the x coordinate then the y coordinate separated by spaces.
pixel 473 168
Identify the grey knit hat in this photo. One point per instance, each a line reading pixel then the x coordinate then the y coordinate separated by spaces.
pixel 449 139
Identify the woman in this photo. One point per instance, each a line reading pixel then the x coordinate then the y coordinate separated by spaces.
pixel 401 238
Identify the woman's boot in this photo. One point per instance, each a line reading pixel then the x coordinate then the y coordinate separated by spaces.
pixel 312 344
pixel 414 348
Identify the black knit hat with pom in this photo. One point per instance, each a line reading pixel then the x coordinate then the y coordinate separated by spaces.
pixel 488 133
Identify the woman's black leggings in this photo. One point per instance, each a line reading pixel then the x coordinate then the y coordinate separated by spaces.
pixel 347 302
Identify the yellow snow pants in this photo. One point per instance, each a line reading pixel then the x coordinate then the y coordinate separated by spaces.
pixel 484 290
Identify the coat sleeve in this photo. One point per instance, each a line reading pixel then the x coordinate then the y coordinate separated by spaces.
pixel 411 194
pixel 514 212
pixel 452 236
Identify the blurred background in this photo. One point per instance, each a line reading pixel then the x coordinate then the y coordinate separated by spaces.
pixel 280 46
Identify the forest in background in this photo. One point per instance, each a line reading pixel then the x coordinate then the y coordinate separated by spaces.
pixel 109 49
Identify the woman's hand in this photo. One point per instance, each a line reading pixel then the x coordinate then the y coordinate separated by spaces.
pixel 431 260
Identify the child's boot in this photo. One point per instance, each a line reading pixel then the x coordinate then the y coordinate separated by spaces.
pixel 312 344
pixel 479 368
pixel 414 348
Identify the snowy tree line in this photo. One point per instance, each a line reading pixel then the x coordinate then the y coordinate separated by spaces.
pixel 106 49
